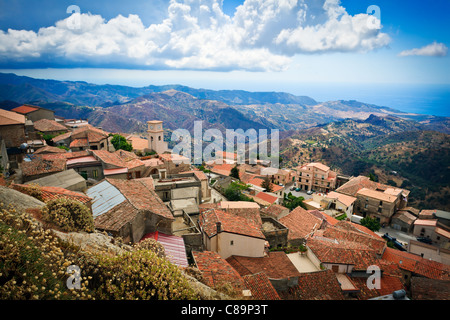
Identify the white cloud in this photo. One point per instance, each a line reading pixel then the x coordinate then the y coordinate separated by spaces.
pixel 434 50
pixel 196 34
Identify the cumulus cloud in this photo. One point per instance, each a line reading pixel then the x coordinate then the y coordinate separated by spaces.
pixel 196 34
pixel 434 49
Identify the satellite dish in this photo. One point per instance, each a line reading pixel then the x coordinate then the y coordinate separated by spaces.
pixel 23 146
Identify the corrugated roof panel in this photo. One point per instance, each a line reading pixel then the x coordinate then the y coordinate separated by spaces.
pixel 105 197
pixel 173 246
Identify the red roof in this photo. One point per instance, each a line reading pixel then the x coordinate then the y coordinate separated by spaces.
pixel 231 223
pixel 77 143
pixel 320 285
pixel 45 125
pixel 260 287
pixel 217 271
pixel 300 223
pixel 25 109
pixel 414 263
pixel 10 118
pixel 267 197
pixel 51 193
pixel 276 265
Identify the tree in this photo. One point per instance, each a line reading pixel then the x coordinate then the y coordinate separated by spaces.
pixel 234 172
pixel 119 142
pixel 371 223
pixel 291 202
pixel 267 185
pixel 234 192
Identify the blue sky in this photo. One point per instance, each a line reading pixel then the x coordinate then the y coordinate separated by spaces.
pixel 251 44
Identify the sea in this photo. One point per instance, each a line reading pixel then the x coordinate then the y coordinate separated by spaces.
pixel 429 99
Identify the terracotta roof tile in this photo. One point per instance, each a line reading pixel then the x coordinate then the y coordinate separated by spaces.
pixel 342 252
pixel 51 193
pixel 140 193
pixel 217 271
pixel 320 285
pixel 222 169
pixel 275 210
pixel 229 223
pixel 117 217
pixel 10 118
pixel 78 143
pixel 25 109
pixel 261 287
pixel 300 223
pixel 42 166
pixel 276 265
pixel 345 231
pixel 265 197
pixel 45 125
pixel 120 158
pixel 414 263
pixel 49 149
pixel 429 289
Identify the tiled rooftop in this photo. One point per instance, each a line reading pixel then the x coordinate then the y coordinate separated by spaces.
pixel 25 109
pixel 276 265
pixel 261 287
pixel 418 265
pixel 140 194
pixel 78 143
pixel 343 252
pixel 320 285
pixel 275 210
pixel 46 125
pixel 49 149
pixel 217 271
pixel 10 118
pixel 41 166
pixel 300 223
pixel 265 197
pixel 345 231
pixel 51 193
pixel 229 223
pixel 120 158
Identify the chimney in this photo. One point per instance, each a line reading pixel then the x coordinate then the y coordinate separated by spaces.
pixel 219 226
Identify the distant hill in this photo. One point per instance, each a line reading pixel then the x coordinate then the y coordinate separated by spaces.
pixel 111 106
pixel 25 90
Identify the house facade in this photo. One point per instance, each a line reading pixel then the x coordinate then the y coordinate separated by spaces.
pixel 315 176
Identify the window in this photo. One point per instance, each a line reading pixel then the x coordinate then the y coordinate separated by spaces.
pixel 95 174
pixel 365 206
pixel 159 138
pixel 231 242
pixel 379 210
pixel 381 203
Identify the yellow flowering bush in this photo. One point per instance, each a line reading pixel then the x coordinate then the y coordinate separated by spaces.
pixel 152 245
pixel 69 215
pixel 34 265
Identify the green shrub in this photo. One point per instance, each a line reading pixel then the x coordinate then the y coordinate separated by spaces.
pixel 69 215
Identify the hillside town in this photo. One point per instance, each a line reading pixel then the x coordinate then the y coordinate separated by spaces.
pixel 297 234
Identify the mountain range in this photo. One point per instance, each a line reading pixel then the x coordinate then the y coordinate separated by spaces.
pixel 402 149
pixel 126 109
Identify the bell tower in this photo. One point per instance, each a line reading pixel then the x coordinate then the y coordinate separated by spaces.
pixel 156 136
